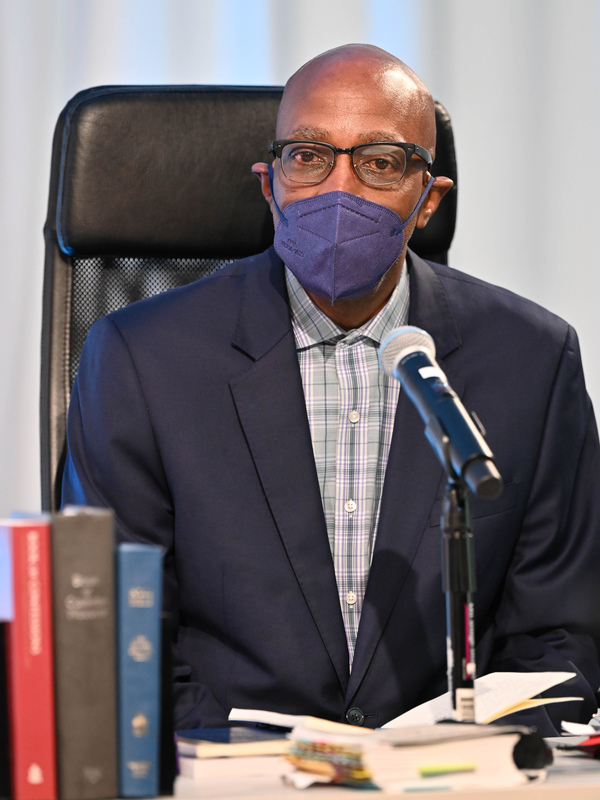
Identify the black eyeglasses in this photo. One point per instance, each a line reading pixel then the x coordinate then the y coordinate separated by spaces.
pixel 375 163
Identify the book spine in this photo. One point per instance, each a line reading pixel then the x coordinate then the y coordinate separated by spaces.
pixel 30 667
pixel 139 593
pixel 85 664
pixel 6 590
pixel 168 749
pixel 5 788
pixel 6 614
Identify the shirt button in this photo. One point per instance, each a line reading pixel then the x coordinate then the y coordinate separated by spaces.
pixel 350 506
pixel 351 598
pixel 354 416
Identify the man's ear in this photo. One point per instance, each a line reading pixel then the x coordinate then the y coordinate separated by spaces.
pixel 438 189
pixel 261 170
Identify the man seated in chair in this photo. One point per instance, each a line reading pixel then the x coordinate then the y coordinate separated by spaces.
pixel 242 422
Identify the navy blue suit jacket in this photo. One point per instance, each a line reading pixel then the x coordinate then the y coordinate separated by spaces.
pixel 188 418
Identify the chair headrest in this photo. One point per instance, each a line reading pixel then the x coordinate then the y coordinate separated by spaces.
pixel 434 240
pixel 165 171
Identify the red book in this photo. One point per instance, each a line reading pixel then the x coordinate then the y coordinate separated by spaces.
pixel 29 662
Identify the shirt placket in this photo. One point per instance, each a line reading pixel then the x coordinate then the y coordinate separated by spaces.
pixel 352 514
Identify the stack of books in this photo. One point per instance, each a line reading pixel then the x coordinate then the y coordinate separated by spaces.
pixel 444 757
pixel 405 759
pixel 238 752
pixel 422 749
pixel 80 661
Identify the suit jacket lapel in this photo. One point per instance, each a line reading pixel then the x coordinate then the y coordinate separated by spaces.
pixel 412 479
pixel 270 402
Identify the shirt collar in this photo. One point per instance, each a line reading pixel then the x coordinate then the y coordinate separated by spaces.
pixel 311 326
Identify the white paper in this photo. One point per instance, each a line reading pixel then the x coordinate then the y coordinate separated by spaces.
pixel 577 729
pixel 265 717
pixel 493 694
pixel 292 721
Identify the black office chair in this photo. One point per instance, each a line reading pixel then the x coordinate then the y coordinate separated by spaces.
pixel 150 188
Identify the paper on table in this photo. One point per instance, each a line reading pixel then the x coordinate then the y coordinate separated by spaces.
pixel 496 695
pixel 577 729
pixel 272 718
pixel 289 721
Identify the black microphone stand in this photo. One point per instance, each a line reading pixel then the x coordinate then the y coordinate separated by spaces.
pixel 458 583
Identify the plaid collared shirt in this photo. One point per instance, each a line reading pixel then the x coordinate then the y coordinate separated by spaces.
pixel 351 406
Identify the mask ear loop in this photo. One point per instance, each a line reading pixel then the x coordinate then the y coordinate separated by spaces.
pixel 396 231
pixel 279 211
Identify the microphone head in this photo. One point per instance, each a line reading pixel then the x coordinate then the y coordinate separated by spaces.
pixel 400 343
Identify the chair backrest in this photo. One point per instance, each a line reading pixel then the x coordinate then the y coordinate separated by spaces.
pixel 150 188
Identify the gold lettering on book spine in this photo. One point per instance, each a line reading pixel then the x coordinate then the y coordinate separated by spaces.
pixel 83 604
pixel 139 597
pixel 34 593
pixel 140 725
pixel 35 775
pixel 140 648
pixel 139 769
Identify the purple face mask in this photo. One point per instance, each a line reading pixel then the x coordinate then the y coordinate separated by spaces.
pixel 337 244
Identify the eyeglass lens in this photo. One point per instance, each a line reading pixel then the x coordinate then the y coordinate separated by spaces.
pixel 377 164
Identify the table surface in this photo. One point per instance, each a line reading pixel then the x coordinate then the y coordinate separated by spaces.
pixel 571 774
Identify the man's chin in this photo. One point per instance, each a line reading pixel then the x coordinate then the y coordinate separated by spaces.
pixel 354 302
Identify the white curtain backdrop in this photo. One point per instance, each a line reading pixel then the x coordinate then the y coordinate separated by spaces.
pixel 520 78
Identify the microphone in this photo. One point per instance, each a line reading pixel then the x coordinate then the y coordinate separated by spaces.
pixel 408 354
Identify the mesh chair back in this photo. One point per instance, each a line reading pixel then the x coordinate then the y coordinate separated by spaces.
pixel 151 188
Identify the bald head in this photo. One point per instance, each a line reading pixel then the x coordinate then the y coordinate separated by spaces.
pixel 356 75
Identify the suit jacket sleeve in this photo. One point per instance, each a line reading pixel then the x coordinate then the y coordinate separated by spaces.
pixel 113 461
pixel 551 596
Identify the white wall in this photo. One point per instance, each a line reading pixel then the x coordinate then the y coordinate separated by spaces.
pixel 520 78
pixel 522 81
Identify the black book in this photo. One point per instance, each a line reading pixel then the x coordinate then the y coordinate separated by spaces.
pixel 83 577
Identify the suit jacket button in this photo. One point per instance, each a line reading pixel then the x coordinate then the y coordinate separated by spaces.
pixel 355 716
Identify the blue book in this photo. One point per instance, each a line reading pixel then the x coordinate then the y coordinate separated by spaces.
pixel 139 599
pixel 6 590
pixel 6 613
